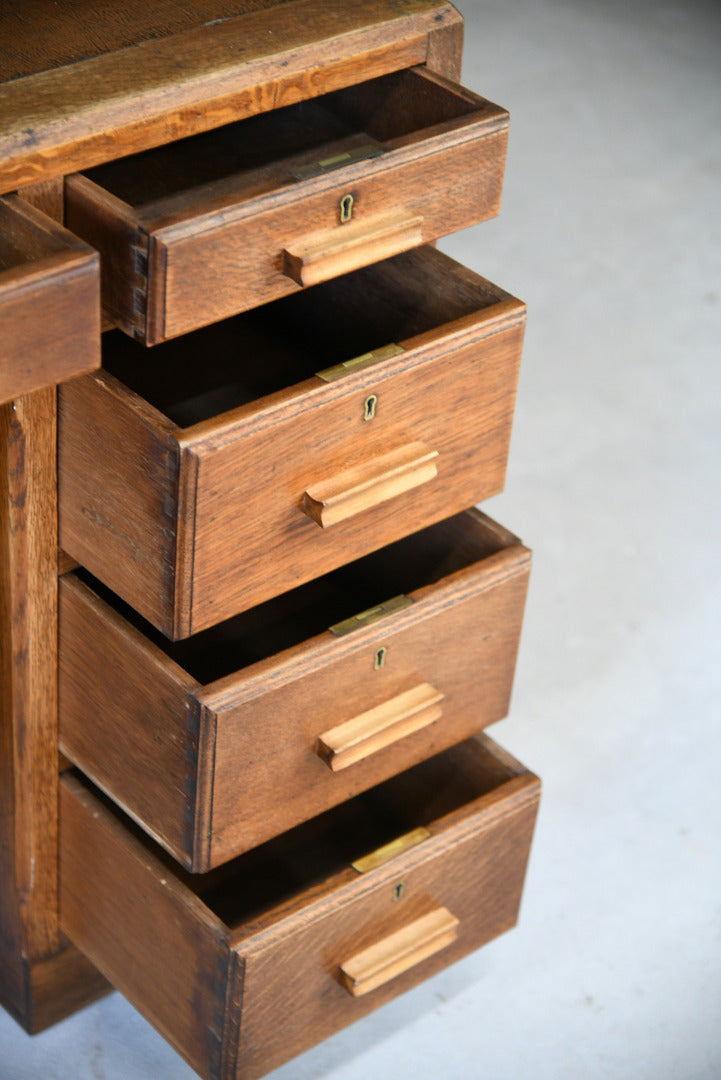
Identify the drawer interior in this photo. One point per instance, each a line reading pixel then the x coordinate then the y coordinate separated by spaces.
pixel 321 851
pixel 260 352
pixel 265 152
pixel 405 567
pixel 22 240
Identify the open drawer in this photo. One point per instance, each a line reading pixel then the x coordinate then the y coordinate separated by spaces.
pixel 235 463
pixel 196 231
pixel 248 966
pixel 49 301
pixel 220 742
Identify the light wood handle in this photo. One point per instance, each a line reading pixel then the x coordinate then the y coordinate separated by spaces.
pixel 397 953
pixel 327 254
pixel 364 486
pixel 377 728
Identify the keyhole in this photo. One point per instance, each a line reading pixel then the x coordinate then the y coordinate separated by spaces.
pixel 398 890
pixel 346 208
pixel 380 658
pixel 369 408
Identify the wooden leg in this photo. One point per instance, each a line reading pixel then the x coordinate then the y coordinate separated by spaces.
pixel 41 977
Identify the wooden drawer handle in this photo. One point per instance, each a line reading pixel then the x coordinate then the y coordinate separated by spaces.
pixel 377 728
pixel 327 254
pixel 364 486
pixel 398 952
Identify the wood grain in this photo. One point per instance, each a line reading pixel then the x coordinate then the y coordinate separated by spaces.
pixel 370 483
pixel 159 513
pixel 148 933
pixel 403 949
pixel 118 489
pixel 198 756
pixel 41 979
pixel 243 233
pixel 222 965
pixel 316 258
pixel 49 301
pixel 379 727
pixel 145 94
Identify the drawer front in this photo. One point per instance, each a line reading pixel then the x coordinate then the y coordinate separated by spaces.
pixel 193 526
pixel 203 272
pixel 297 979
pixel 274 218
pixel 49 301
pixel 446 422
pixel 200 766
pixel 239 998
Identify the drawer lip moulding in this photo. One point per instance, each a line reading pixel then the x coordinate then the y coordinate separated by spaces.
pixel 192 515
pixel 196 740
pixel 248 966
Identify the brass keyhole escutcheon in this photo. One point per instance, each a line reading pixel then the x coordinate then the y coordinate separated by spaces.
pixel 398 891
pixel 379 658
pixel 369 407
pixel 346 208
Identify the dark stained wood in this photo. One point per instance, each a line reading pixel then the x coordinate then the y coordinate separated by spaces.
pixel 49 300
pixel 196 750
pixel 223 963
pixel 169 542
pixel 229 220
pixel 108 106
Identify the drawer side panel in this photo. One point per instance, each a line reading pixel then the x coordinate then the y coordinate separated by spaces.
pixel 133 729
pixel 117 472
pixel 150 937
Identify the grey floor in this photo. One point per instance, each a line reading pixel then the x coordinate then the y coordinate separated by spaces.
pixel 611 230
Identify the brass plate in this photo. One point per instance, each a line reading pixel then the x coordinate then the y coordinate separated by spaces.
pixel 338 161
pixel 356 363
pixel 389 851
pixel 371 615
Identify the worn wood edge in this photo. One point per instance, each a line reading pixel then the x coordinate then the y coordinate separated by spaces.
pixel 445 48
pixel 292 663
pixel 233 1018
pixel 186 518
pixel 55 123
pixel 204 802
